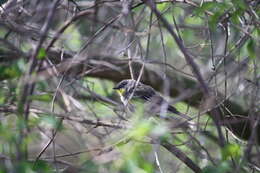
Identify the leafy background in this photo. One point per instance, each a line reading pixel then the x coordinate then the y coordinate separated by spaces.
pixel 60 59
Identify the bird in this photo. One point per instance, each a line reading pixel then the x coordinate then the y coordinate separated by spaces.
pixel 130 88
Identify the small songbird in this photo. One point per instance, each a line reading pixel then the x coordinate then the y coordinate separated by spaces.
pixel 130 88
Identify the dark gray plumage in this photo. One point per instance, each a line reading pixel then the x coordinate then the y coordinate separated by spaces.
pixel 146 93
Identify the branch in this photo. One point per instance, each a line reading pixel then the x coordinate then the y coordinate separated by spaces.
pixel 114 69
pixel 182 156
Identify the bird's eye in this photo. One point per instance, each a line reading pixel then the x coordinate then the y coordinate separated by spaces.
pixel 120 85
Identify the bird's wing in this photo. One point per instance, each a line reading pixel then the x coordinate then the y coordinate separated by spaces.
pixel 145 94
pixel 172 109
pixel 156 100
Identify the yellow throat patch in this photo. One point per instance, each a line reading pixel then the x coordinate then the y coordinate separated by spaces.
pixel 120 91
pixel 121 94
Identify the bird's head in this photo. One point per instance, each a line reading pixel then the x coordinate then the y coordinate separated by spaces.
pixel 124 86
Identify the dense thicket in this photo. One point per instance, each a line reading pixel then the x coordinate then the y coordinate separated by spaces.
pixel 60 59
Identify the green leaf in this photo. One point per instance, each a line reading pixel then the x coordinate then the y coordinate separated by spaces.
pixel 251 49
pixel 223 167
pixel 210 169
pixel 90 166
pixel 42 97
pixel 194 20
pixel 231 150
pixel 206 6
pixel 235 16
pixel 2 97
pixel 213 20
pixel 42 166
pixel 9 72
pixel 161 6
pixel 239 4
pixel 24 167
pixel 258 31
pixel 216 8
pixel 42 54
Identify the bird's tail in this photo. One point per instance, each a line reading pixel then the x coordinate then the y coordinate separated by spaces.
pixel 175 111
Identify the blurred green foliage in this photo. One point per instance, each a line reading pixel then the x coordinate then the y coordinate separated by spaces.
pixel 134 152
pixel 42 54
pixel 231 151
pixel 223 167
pixel 9 71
